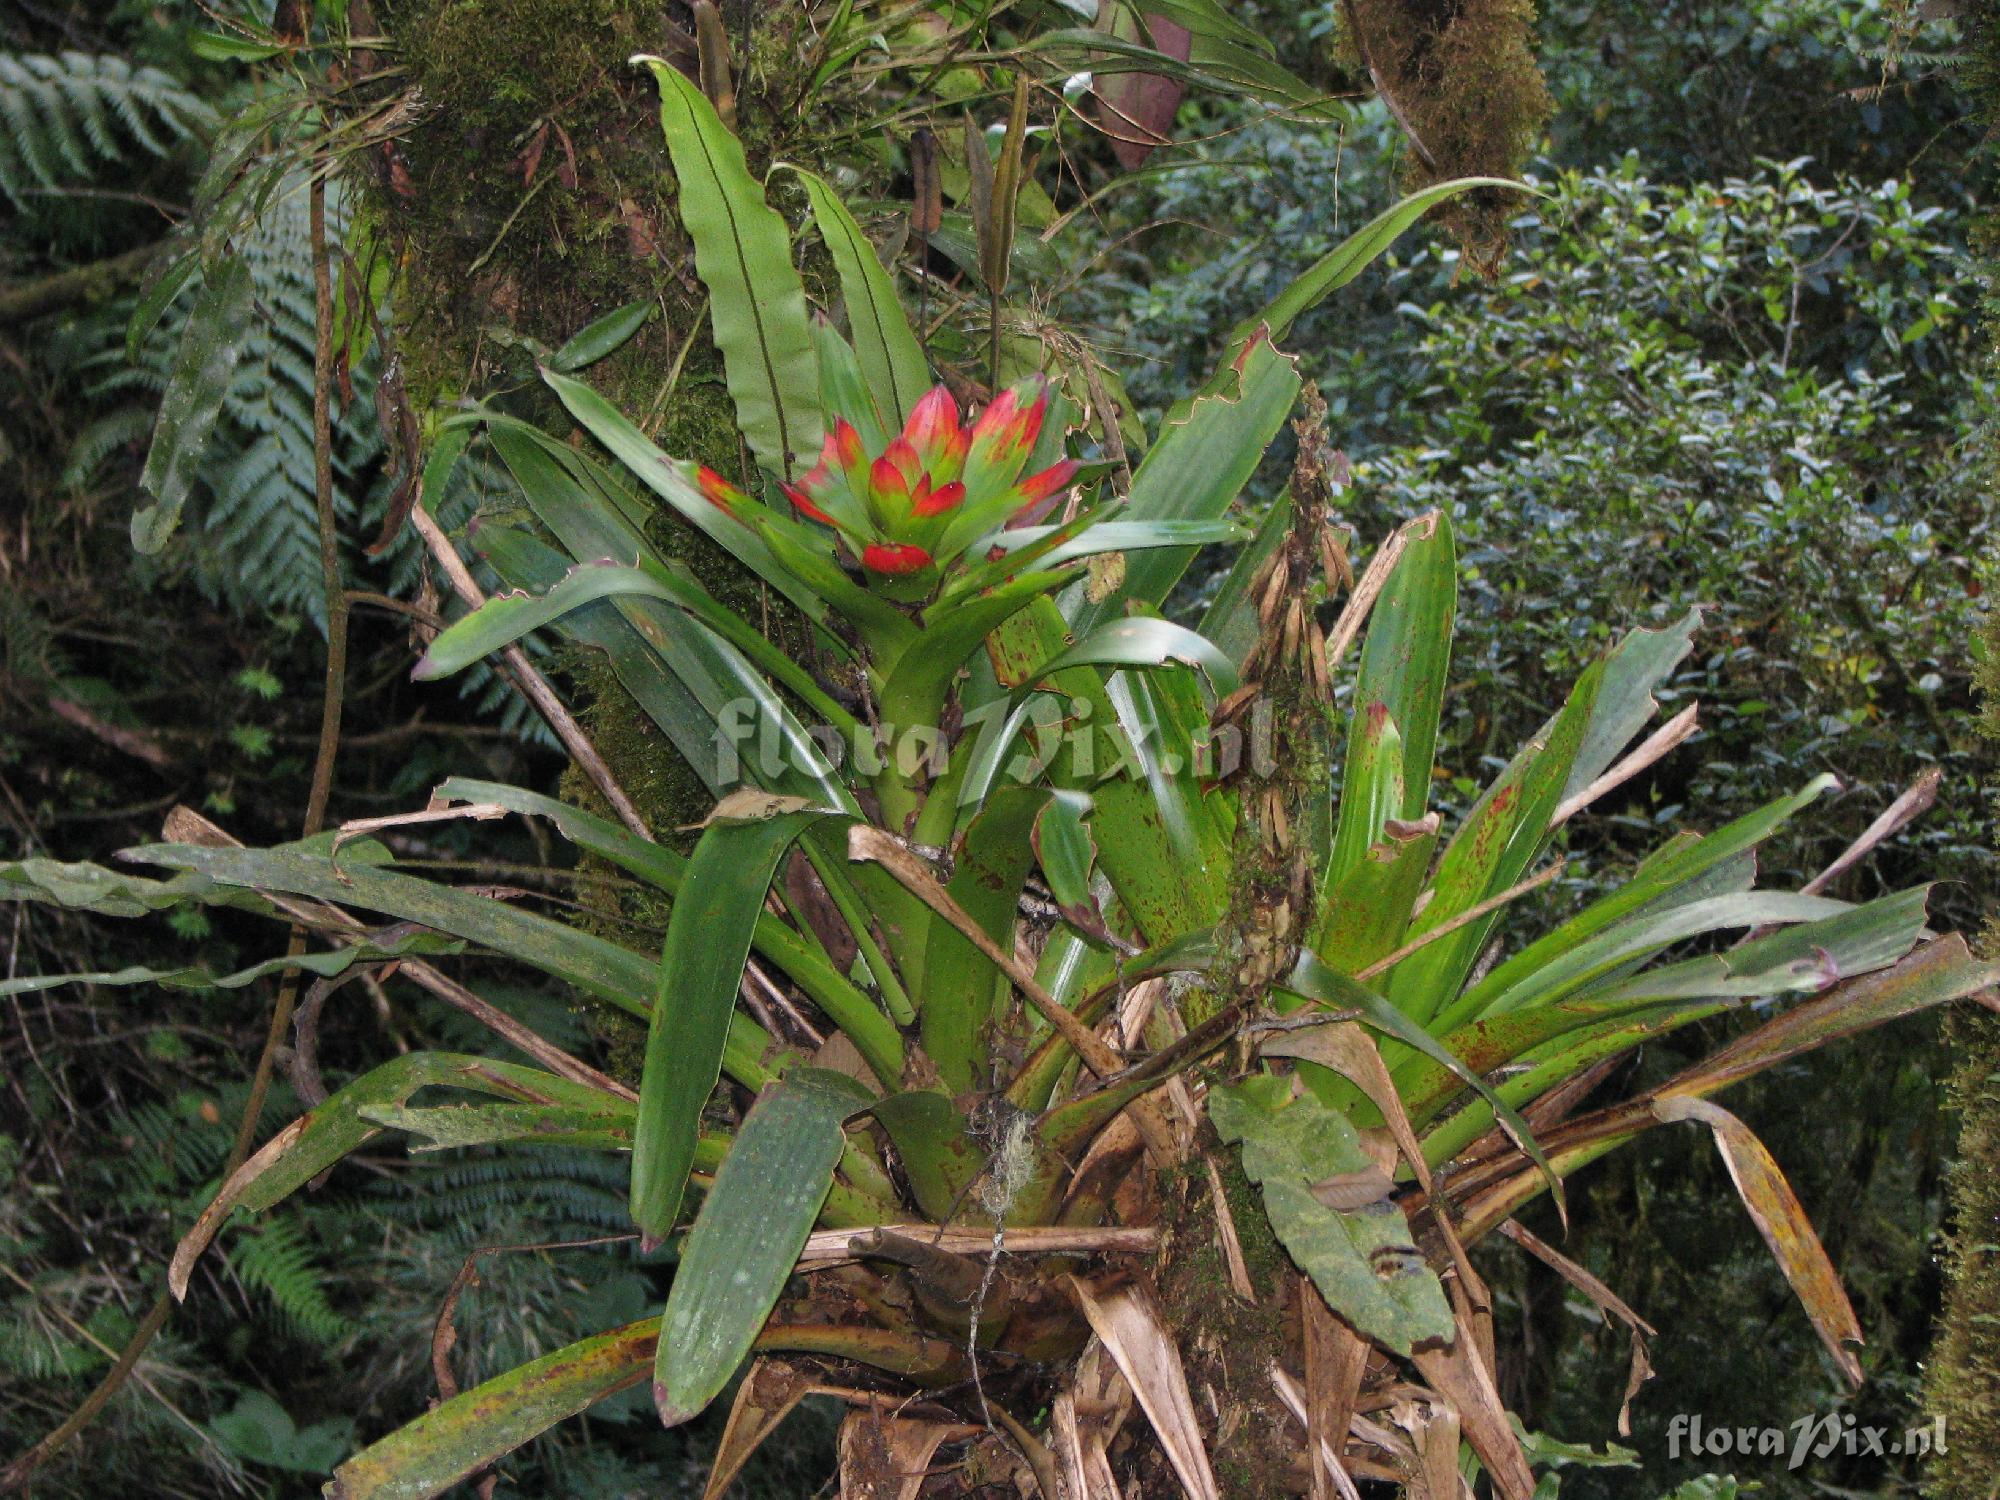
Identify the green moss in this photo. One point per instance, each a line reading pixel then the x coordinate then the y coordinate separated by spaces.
pixel 1964 1369
pixel 490 257
pixel 1962 1386
pixel 1462 74
pixel 1227 1347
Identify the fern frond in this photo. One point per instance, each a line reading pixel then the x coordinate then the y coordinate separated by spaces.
pixel 275 1260
pixel 69 116
pixel 103 437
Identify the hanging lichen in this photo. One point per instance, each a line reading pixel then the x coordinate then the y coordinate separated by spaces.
pixel 1460 79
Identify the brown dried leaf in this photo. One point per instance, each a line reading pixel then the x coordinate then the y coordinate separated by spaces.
pixel 530 159
pixel 1130 1326
pixel 566 173
pixel 1336 1356
pixel 1781 1219
pixel 1225 1230
pixel 1606 1301
pixel 764 1399
pixel 1460 1376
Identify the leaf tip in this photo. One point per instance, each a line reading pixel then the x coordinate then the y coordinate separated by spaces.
pixel 670 1414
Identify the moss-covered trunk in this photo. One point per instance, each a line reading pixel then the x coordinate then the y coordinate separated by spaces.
pixel 1963 1376
pixel 532 193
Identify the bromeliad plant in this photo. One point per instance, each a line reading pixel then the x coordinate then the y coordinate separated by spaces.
pixel 1061 921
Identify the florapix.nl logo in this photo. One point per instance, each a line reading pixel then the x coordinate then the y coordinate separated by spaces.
pixel 1825 1435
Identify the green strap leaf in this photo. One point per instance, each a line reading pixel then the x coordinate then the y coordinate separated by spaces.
pixel 600 968
pixel 1312 980
pixel 1144 643
pixel 344 1123
pixel 505 618
pixel 749 1233
pixel 1405 660
pixel 959 982
pixel 708 941
pixel 1666 878
pixel 1204 456
pixel 1638 664
pixel 892 361
pixel 551 475
pixel 218 327
pixel 325 965
pixel 453 1440
pixel 801 958
pixel 1492 849
pixel 1354 255
pixel 743 254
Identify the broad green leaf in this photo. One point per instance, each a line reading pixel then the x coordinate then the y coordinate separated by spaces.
pixel 1363 918
pixel 1206 18
pixel 1637 664
pixel 1165 784
pixel 441 1127
pixel 1008 552
pixel 551 474
pixel 748 1235
pixel 158 296
pixel 458 1437
pixel 1143 845
pixel 1354 255
pixel 1371 791
pixel 1561 1035
pixel 1064 850
pixel 1224 66
pixel 506 618
pixel 918 678
pixel 844 392
pixel 1364 1261
pixel 318 1139
pixel 804 552
pixel 735 700
pixel 215 46
pixel 260 1430
pixel 602 337
pixel 113 893
pixel 1121 536
pixel 708 941
pixel 524 562
pixel 1202 460
pixel 218 327
pixel 1141 642
pixel 743 255
pixel 940 1158
pixel 1935 973
pixel 959 984
pixel 892 361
